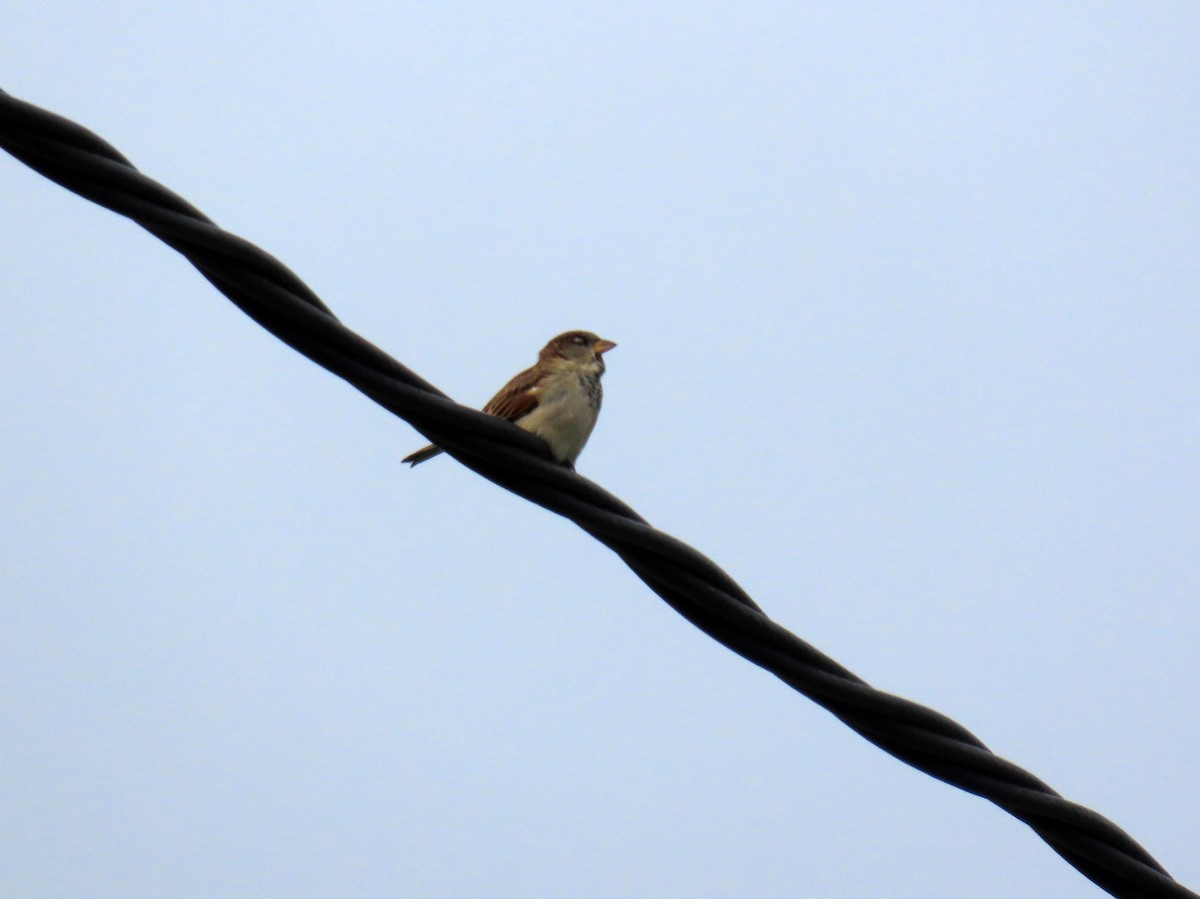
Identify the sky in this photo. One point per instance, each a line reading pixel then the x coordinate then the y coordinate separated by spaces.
pixel 906 304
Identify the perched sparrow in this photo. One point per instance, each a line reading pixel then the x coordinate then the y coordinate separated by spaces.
pixel 557 399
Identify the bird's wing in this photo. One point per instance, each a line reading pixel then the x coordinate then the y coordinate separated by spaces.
pixel 517 398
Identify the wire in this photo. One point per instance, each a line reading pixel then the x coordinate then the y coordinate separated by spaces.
pixel 689 582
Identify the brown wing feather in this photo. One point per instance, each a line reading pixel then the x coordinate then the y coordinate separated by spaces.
pixel 515 401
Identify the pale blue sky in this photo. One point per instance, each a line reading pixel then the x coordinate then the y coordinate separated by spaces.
pixel 907 304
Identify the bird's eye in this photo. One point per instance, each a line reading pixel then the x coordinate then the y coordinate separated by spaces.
pixel 581 340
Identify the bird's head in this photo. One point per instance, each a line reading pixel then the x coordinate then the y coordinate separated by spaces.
pixel 582 348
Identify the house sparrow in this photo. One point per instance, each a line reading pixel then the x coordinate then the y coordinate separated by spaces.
pixel 558 399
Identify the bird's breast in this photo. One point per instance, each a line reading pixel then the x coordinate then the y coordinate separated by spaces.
pixel 568 404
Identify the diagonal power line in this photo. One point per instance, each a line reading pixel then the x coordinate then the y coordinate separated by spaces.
pixel 688 581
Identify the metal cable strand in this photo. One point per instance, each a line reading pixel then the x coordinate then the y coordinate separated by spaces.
pixel 689 582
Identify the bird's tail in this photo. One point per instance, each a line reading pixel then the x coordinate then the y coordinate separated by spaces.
pixel 422 455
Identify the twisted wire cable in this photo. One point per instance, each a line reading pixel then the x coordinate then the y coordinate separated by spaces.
pixel 688 581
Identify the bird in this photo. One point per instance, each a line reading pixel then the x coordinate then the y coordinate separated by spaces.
pixel 558 398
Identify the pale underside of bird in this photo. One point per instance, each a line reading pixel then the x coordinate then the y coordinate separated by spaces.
pixel 558 398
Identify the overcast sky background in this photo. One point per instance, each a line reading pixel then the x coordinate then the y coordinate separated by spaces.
pixel 907 304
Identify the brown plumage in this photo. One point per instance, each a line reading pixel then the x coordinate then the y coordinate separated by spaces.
pixel 558 398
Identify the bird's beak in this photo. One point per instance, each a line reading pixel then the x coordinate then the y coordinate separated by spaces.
pixel 603 346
